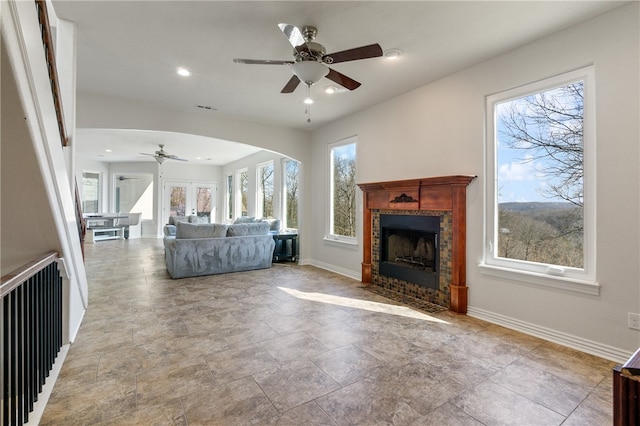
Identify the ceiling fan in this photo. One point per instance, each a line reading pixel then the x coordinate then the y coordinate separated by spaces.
pixel 310 60
pixel 161 156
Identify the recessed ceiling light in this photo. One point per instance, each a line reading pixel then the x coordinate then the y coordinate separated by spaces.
pixel 308 101
pixel 107 150
pixel 184 72
pixel 392 54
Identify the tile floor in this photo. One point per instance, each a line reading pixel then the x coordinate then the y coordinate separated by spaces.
pixel 297 345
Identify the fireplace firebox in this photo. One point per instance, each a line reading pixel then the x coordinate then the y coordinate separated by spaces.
pixel 409 248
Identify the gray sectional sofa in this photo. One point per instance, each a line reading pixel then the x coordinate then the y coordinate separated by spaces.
pixel 205 249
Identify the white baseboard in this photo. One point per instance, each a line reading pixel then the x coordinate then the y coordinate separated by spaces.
pixel 332 268
pixel 588 346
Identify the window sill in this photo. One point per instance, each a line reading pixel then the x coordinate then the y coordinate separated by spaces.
pixel 342 242
pixel 562 283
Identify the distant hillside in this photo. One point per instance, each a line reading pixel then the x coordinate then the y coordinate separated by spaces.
pixel 535 206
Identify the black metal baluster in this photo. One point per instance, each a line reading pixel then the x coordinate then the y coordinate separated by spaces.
pixel 12 358
pixel 28 358
pixel 6 349
pixel 19 355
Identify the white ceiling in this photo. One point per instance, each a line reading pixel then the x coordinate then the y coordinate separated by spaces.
pixel 131 49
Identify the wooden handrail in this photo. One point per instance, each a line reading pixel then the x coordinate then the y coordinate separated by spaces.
pixel 15 278
pixel 47 40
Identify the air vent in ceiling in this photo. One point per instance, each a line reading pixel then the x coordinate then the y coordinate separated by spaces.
pixel 207 107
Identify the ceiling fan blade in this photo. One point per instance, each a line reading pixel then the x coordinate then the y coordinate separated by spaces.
pixel 363 52
pixel 342 80
pixel 144 153
pixel 175 157
pixel 291 85
pixel 261 61
pixel 293 34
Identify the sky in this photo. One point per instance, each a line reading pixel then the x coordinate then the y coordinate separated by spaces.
pixel 518 178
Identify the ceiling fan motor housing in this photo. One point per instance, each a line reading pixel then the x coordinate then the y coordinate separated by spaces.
pixel 310 51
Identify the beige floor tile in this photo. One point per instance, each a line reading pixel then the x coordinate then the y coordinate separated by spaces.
pixel 295 384
pixel 241 402
pixel 492 404
pixel 293 345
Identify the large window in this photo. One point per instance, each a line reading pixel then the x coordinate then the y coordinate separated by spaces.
pixel 90 192
pixel 291 190
pixel 265 179
pixel 343 191
pixel 540 177
pixel 242 191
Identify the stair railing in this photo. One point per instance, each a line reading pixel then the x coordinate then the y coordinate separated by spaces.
pixel 31 334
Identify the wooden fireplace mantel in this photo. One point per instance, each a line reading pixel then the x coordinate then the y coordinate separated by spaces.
pixel 443 193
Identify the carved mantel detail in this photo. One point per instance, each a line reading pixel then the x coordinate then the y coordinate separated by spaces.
pixel 444 193
pixel 404 198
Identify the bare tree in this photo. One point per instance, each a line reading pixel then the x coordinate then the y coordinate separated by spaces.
pixel 344 196
pixel 292 170
pixel 266 186
pixel 548 126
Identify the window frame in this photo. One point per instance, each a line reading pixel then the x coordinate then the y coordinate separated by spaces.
pixel 330 234
pixel 576 279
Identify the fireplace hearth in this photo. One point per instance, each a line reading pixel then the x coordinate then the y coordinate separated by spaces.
pixel 402 254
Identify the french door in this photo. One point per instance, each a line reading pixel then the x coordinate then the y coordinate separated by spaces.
pixel 190 198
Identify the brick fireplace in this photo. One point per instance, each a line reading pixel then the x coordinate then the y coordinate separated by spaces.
pixel 420 215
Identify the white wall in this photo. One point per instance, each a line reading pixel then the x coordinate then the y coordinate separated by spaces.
pixel 439 130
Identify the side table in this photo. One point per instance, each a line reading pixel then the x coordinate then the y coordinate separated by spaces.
pixel 286 247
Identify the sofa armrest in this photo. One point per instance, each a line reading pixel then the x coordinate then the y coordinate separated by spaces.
pixel 169 230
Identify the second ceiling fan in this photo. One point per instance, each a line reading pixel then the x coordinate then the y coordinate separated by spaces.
pixel 310 60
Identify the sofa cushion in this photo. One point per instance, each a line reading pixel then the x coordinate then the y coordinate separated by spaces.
pixel 175 219
pixel 258 228
pixel 186 230
pixel 246 229
pixel 238 230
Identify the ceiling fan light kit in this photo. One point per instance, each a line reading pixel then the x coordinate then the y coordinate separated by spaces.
pixel 310 72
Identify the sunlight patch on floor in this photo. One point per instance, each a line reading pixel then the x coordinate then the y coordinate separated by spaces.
pixel 366 305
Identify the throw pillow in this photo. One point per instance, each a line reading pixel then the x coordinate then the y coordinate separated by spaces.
pixel 198 219
pixel 245 219
pixel 175 219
